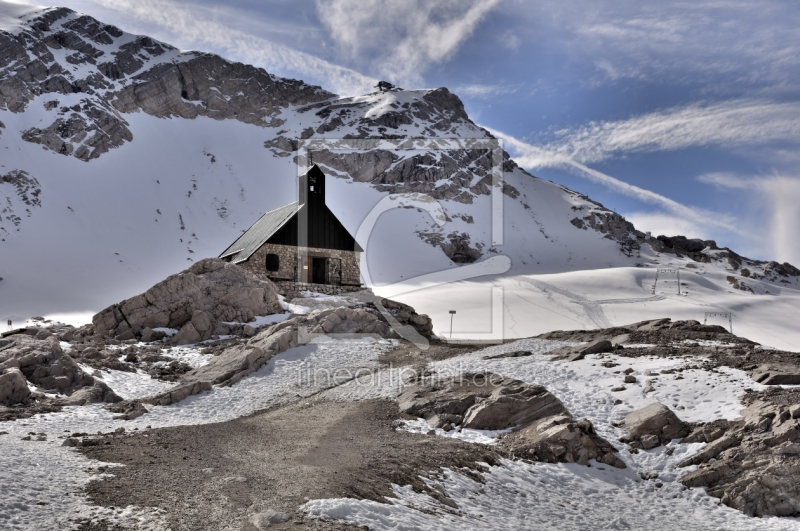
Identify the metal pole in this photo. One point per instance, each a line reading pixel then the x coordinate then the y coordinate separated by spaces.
pixel 679 281
pixel 730 322
pixel 655 283
pixel 452 313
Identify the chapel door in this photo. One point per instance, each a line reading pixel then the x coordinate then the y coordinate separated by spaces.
pixel 319 271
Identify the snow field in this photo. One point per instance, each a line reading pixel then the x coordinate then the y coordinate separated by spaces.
pixel 599 298
pixel 546 497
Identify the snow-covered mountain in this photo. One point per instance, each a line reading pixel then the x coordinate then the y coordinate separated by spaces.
pixel 122 159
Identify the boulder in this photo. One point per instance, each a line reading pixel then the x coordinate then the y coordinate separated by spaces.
pixel 186 335
pixel 776 374
pixel 92 394
pixel 194 301
pixel 559 439
pixel 512 403
pixel 545 430
pixel 13 387
pixel 653 420
pixel 483 401
pixel 579 352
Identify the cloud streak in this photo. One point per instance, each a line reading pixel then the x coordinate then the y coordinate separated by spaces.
pixel 402 39
pixel 729 124
pixel 531 157
pixel 486 91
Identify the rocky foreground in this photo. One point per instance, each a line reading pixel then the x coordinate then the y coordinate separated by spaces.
pixel 259 470
pixel 751 464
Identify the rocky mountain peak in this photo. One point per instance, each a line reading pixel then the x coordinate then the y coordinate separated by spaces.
pixel 87 74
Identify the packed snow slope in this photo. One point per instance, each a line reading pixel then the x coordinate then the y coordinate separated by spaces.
pixel 123 158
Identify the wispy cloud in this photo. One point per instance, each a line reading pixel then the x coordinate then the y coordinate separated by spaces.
pixel 731 124
pixel 486 91
pixel 196 27
pixel 532 157
pixel 402 39
pixel 756 43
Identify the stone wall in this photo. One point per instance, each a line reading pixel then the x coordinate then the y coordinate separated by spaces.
pixel 346 262
pixel 291 290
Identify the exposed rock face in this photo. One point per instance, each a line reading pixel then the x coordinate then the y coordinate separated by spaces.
pixel 546 430
pixel 194 301
pixel 124 73
pixel 420 173
pixel 657 331
pixel 617 228
pixel 85 131
pixel 455 245
pixel 652 426
pixel 207 85
pixel 41 362
pixel 753 466
pixel 707 251
pixel 611 224
pixel 19 192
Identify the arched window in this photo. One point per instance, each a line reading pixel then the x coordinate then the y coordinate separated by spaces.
pixel 273 262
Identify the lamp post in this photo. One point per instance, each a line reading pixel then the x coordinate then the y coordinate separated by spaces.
pixel 452 313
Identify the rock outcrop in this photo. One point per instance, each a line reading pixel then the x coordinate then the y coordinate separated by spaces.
pixel 195 302
pixel 752 464
pixel 19 193
pixel 544 430
pixel 39 362
pixel 421 172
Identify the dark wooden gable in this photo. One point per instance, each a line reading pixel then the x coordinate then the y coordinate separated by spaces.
pixel 324 230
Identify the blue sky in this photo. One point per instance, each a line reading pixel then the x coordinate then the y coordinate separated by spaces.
pixel 682 116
